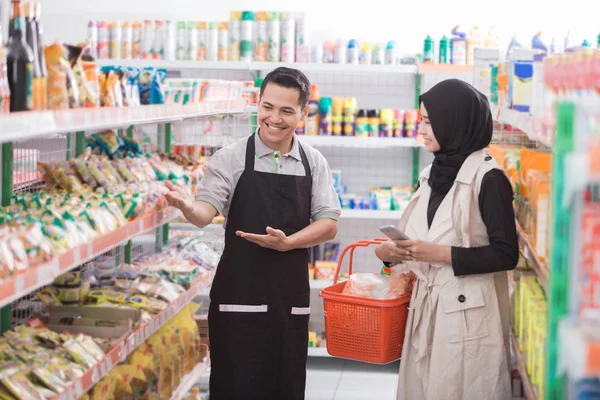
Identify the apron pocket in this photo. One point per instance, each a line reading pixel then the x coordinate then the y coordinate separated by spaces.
pixel 464 313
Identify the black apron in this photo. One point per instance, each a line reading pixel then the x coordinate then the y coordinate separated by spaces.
pixel 260 298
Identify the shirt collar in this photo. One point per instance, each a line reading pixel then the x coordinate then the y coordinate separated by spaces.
pixel 262 149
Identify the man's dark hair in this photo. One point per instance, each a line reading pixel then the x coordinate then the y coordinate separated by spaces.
pixel 289 78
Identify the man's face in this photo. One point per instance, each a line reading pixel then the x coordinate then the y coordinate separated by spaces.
pixel 279 113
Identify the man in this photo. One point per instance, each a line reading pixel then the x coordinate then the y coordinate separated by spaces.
pixel 278 200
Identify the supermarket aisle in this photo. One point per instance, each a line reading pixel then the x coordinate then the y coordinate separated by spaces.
pixel 335 379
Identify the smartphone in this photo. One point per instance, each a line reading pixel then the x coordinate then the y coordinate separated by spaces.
pixel 393 233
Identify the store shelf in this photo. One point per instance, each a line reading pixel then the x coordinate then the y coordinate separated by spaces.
pixel 27 125
pixel 538 265
pixel 260 66
pixel 318 352
pixel 370 214
pixel 125 347
pixel 445 69
pixel 531 126
pixel 527 386
pixel 358 142
pixel 40 275
pixel 579 348
pixel 190 380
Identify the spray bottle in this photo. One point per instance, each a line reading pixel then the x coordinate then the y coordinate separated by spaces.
pixel 312 119
pixel 538 44
pixel 444 56
pixel 428 50
pixel 458 47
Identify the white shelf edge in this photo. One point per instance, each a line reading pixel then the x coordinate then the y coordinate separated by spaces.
pixel 358 142
pixel 370 214
pixel 259 66
pixel 190 380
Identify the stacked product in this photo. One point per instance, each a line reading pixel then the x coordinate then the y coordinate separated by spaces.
pixel 339 116
pixel 87 197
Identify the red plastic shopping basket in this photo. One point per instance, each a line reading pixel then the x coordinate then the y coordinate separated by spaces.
pixel 359 328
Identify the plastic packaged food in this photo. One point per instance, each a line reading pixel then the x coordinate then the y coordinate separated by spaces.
pixel 58 67
pixel 378 286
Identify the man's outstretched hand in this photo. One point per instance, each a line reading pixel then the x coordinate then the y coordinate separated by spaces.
pixel 275 239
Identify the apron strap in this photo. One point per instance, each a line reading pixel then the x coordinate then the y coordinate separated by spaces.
pixel 304 160
pixel 250 153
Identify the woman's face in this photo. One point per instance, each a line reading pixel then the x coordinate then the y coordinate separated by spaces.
pixel 425 130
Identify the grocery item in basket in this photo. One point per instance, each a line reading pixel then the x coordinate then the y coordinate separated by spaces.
pixel 378 286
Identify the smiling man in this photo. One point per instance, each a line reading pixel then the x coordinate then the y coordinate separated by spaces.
pixel 278 200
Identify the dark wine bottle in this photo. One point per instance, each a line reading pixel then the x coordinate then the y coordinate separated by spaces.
pixel 19 64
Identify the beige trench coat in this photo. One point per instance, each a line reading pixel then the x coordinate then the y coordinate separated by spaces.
pixel 456 345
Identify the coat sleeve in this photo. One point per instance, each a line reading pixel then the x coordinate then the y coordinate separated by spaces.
pixel 496 207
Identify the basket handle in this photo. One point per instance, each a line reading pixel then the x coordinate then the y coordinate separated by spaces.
pixel 351 248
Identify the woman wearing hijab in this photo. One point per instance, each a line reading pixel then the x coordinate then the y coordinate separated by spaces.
pixel 463 240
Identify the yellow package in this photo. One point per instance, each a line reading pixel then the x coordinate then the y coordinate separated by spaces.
pixel 146 361
pixel 130 382
pixel 190 337
pixel 20 387
pixel 104 389
pixel 166 363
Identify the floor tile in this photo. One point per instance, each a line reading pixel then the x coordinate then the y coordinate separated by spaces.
pixel 363 395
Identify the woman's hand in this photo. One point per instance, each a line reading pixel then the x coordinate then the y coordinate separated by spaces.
pixel 390 252
pixel 419 250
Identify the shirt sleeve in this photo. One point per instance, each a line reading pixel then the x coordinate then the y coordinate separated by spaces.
pixel 217 184
pixel 324 199
pixel 496 207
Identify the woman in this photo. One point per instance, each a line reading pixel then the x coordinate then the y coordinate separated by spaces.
pixel 463 240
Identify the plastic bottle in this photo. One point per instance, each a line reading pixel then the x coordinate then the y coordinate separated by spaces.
pixel 374 122
pixel 4 87
pixel 148 34
pixel 492 41
pixel 192 41
pixel 325 116
pixel 301 39
pixel 386 116
pixel 339 52
pixel 37 10
pixel 115 40
pixel 328 52
pixel 312 118
pixel 161 38
pixel 473 41
pixel 598 42
pixel 181 44
pixel 93 37
pixel 458 47
pixel 537 42
pixel 391 53
pixel 103 40
pixel 444 55
pixel 337 116
pixel 30 32
pixel 288 40
pixel 316 54
pixel 366 54
pixel 235 26
pixel 213 41
pixel 585 43
pixel 398 123
pixel 223 41
pixel 350 106
pixel 362 123
pixel 127 42
pixel 202 31
pixel 260 49
pixel 428 50
pixel 169 39
pixel 353 52
pixel 379 54
pixel 274 37
pixel 136 40
pixel 246 43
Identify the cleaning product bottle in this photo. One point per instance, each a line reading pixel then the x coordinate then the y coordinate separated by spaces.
pixel 339 53
pixel 492 41
pixel 585 43
pixel 598 43
pixel 538 43
pixel 391 52
pixel 353 51
pixel 350 106
pixel 444 56
pixel 374 122
pixel 366 54
pixel 473 41
pixel 428 50
pixel 362 123
pixel 398 123
pixel 325 116
pixel 458 49
pixel 386 116
pixel 312 119
pixel 514 44
pixel 337 116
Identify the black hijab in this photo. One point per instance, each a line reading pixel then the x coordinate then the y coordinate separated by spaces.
pixel 462 122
